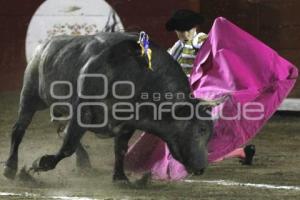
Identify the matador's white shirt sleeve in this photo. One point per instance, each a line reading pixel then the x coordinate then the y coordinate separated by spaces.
pixel 199 39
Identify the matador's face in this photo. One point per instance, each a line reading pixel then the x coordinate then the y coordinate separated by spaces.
pixel 184 36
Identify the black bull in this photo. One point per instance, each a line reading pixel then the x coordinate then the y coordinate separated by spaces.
pixel 111 57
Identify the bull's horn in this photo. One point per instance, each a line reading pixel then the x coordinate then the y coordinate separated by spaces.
pixel 215 102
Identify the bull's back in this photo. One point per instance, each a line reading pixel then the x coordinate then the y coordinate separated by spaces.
pixel 62 58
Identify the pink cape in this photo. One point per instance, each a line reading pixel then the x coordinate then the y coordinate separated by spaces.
pixel 230 62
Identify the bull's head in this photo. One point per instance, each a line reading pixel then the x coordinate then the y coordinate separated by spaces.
pixel 189 142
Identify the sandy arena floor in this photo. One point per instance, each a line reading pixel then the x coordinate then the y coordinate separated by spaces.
pixel 277 164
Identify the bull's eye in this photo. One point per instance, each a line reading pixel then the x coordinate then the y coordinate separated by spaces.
pixel 202 131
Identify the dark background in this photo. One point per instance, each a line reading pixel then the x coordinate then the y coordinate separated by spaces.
pixel 275 22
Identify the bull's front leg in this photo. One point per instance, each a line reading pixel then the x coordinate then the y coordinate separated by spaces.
pixel 82 158
pixel 71 141
pixel 121 146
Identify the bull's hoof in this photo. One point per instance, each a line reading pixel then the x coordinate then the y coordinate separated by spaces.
pixel 83 164
pixel 10 172
pixel 199 172
pixel 143 182
pixel 44 163
pixel 120 179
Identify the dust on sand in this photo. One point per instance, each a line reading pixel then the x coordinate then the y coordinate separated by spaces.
pixel 277 162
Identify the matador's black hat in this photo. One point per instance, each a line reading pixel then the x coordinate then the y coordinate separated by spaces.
pixel 184 20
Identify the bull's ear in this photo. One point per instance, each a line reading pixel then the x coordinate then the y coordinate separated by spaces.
pixel 212 103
